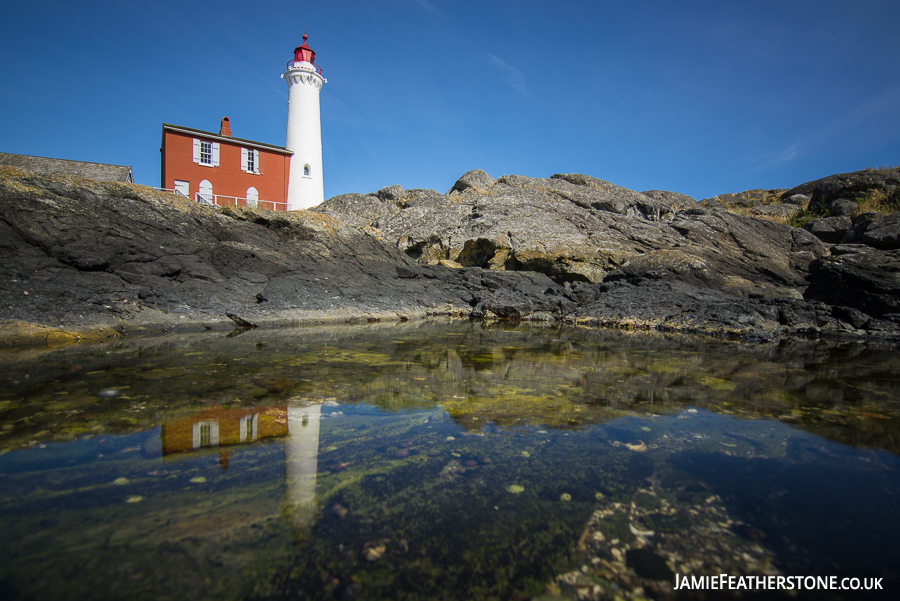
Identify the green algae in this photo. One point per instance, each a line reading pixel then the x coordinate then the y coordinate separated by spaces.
pixel 665 523
pixel 428 435
pixel 714 383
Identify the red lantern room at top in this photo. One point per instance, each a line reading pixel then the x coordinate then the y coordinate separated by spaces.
pixel 303 53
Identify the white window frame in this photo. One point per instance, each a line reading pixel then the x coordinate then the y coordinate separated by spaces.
pixel 213 153
pixel 250 160
pixel 248 428
pixel 211 429
pixel 307 170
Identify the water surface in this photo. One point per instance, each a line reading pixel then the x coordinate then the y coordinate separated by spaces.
pixel 443 461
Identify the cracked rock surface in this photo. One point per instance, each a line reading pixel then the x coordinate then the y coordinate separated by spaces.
pixel 80 254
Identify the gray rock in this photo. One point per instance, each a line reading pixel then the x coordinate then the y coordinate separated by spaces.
pixel 477 180
pixel 573 228
pixel 829 229
pixel 600 195
pixel 801 200
pixel 568 247
pixel 854 317
pixel 710 203
pixel 805 248
pixel 823 192
pixel 98 254
pixel 357 209
pixel 672 305
pixel 802 240
pixel 860 225
pixel 667 265
pixel 843 206
pixel 883 233
pixel 675 200
pixel 391 194
pixel 849 249
pixel 784 210
pixel 747 198
pixel 425 198
pixel 867 281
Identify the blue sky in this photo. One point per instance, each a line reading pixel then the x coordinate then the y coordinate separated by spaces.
pixel 697 97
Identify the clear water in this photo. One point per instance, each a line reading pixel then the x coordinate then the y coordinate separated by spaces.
pixel 444 461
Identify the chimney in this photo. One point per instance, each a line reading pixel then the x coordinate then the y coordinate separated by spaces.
pixel 225 128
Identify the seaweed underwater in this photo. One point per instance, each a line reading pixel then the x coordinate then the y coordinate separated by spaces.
pixel 441 461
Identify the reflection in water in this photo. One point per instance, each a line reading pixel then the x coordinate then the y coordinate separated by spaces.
pixel 219 426
pixel 298 422
pixel 301 455
pixel 457 462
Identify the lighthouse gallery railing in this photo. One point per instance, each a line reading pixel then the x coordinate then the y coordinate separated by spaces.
pixel 291 63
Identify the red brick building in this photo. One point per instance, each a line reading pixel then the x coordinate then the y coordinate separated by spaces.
pixel 222 170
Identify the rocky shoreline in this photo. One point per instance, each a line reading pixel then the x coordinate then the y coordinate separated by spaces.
pixel 86 260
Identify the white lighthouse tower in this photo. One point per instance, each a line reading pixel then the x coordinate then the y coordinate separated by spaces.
pixel 304 129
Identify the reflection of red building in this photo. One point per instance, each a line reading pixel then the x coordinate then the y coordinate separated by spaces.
pixel 217 427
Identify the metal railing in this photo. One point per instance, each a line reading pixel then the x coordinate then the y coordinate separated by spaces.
pixel 221 200
pixel 292 62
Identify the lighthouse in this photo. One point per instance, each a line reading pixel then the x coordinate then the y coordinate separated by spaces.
pixel 304 129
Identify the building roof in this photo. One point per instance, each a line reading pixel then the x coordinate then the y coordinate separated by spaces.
pixel 98 171
pixel 219 138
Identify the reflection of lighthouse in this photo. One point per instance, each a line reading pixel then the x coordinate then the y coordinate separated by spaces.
pixel 301 460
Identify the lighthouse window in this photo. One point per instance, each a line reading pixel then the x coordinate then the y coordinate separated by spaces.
pixel 306 170
pixel 206 153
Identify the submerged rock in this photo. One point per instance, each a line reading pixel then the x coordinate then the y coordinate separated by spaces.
pixel 374 552
pixel 649 565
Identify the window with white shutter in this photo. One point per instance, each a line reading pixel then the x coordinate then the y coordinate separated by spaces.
pixel 250 160
pixel 206 153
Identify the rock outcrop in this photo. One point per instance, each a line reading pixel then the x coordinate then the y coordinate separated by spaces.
pixel 653 259
pixel 747 199
pixel 860 277
pixel 79 254
pixel 852 186
pixel 576 228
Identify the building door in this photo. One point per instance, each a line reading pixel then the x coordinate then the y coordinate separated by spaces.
pixel 205 195
pixel 183 188
pixel 252 196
